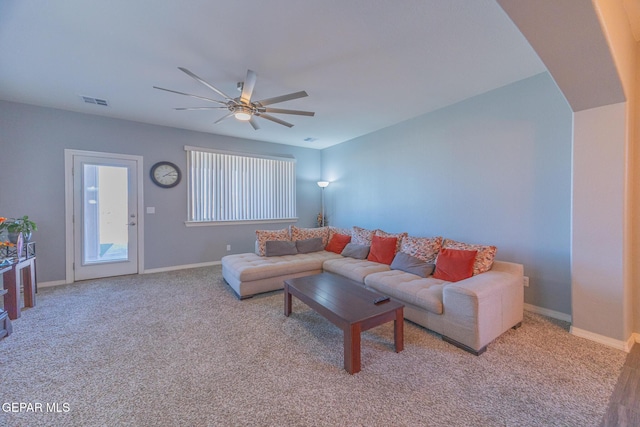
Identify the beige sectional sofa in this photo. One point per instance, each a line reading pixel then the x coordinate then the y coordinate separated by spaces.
pixel 469 313
pixel 250 274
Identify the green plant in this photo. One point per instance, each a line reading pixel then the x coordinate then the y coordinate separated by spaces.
pixel 19 225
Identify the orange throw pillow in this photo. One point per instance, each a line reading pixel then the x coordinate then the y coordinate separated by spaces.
pixel 383 249
pixel 453 265
pixel 337 243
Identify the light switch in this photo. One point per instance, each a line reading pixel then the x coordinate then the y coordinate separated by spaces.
pixel 151 209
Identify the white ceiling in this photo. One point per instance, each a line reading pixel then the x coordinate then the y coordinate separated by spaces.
pixel 365 64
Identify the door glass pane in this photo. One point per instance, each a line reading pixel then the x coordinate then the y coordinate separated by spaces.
pixel 105 231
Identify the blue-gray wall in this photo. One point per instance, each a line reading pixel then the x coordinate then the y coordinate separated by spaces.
pixel 32 143
pixel 494 169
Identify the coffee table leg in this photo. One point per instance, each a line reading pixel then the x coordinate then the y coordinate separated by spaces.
pixel 398 330
pixel 352 348
pixel 287 300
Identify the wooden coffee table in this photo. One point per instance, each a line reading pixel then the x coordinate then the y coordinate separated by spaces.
pixel 349 306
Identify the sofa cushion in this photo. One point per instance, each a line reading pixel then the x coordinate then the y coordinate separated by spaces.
pixel 279 248
pixel 262 236
pixel 337 243
pixel 335 230
pixel 383 249
pixel 354 269
pixel 421 292
pixel 298 233
pixel 425 248
pixel 484 258
pixel 309 245
pixel 361 236
pixel 399 236
pixel 411 264
pixel 249 266
pixel 454 265
pixel 354 250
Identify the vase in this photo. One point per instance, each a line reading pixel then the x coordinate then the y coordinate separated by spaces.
pixel 13 237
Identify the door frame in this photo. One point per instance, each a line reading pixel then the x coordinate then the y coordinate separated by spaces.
pixel 69 154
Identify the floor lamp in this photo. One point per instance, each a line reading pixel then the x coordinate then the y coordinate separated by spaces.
pixel 323 185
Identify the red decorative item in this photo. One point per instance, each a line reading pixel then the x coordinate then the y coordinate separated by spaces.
pixel 383 249
pixel 337 243
pixel 453 265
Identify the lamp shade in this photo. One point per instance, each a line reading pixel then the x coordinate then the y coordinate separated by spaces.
pixel 323 184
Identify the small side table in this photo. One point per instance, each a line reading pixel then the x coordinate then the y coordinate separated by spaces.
pixel 22 273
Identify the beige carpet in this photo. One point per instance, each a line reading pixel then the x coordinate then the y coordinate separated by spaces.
pixel 178 349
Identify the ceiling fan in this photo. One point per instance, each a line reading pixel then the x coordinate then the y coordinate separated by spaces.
pixel 242 107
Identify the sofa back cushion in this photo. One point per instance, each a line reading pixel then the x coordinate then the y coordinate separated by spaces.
pixel 298 233
pixel 425 248
pixel 335 230
pixel 454 265
pixel 410 264
pixel 309 245
pixel 337 243
pixel 399 236
pixel 279 248
pixel 484 258
pixel 262 236
pixel 354 250
pixel 383 249
pixel 361 236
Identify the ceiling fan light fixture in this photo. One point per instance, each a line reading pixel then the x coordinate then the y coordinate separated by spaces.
pixel 242 113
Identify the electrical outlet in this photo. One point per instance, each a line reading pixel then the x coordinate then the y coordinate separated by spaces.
pixel 228 248
pixel 526 281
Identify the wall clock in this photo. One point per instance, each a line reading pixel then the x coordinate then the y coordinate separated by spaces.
pixel 165 174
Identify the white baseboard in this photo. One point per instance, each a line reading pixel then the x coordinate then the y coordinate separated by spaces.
pixel 181 267
pixel 609 342
pixel 152 270
pixel 549 313
pixel 601 339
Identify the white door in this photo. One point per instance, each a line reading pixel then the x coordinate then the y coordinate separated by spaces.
pixel 105 216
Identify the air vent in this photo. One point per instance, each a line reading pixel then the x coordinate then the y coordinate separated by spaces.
pixel 96 101
pixel 310 139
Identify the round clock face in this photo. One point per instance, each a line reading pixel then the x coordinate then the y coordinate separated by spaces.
pixel 165 174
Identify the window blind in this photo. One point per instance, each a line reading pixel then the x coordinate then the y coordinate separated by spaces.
pixel 233 187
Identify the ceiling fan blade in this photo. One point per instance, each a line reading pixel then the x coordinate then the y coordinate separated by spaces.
pixel 282 111
pixel 247 87
pixel 222 118
pixel 275 119
pixel 200 108
pixel 219 92
pixel 193 96
pixel 253 123
pixel 282 98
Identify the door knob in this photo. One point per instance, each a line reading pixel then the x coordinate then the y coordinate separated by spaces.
pixel 132 223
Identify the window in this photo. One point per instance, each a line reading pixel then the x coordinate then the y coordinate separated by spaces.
pixel 239 187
